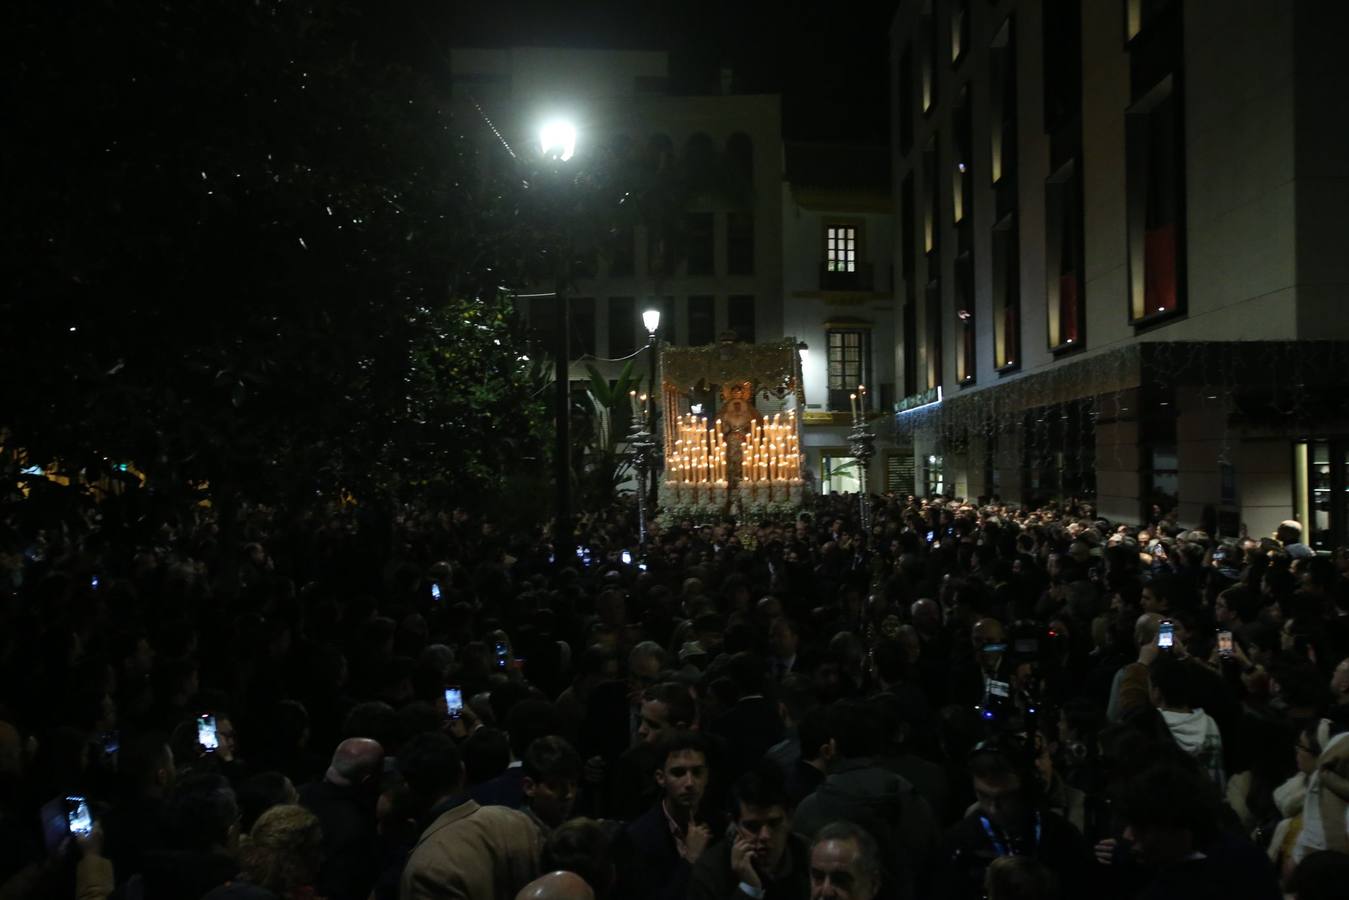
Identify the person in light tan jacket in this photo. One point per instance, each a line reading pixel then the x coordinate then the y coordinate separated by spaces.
pixel 467 851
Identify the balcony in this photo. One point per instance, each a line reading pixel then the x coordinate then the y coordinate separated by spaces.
pixel 864 279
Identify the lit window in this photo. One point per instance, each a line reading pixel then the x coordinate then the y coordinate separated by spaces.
pixel 840 248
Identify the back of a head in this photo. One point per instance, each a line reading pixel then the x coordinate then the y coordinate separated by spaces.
pixel 747 670
pixel 356 760
pixel 431 766
pixel 530 720
pixel 1171 794
pixel 141 761
pixel 487 754
pixel 551 757
pixel 258 793
pixel 1019 878
pixel 856 729
pixel 1171 679
pixel 682 711
pixel 582 846
pixel 284 850
pixel 679 741
pixel 202 812
pixel 559 885
pixel 762 787
pixel 814 732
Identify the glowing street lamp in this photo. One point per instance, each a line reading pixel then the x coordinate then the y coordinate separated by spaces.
pixel 557 139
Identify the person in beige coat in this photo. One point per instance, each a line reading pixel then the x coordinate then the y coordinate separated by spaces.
pixel 467 852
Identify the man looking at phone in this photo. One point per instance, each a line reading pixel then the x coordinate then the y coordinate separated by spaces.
pixel 765 859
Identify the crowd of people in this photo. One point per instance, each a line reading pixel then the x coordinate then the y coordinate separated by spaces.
pixel 959 700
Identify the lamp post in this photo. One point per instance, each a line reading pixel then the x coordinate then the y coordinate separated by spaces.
pixel 642 439
pixel 557 142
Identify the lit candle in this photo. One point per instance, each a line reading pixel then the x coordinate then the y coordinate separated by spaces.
pixel 852 400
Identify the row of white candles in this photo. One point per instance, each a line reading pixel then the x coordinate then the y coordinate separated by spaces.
pixel 699 452
pixel 772 451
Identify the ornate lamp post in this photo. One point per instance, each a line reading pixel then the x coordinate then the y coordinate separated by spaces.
pixel 642 440
pixel 557 142
pixel 862 445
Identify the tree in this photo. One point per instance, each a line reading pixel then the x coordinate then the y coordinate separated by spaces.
pixel 250 251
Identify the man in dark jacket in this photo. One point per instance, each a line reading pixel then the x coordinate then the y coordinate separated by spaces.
pixel 657 851
pixel 344 802
pixel 859 790
pixel 765 859
pixel 1009 822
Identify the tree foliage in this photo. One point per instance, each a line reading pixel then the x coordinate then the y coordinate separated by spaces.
pixel 249 247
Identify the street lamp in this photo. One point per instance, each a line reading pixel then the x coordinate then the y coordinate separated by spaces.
pixel 557 142
pixel 557 139
pixel 642 440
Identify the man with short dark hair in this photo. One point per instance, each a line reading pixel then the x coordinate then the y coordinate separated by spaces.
pixel 765 859
pixel 1193 730
pixel 552 769
pixel 1172 817
pixel 660 848
pixel 1009 821
pixel 844 864
pixel 466 850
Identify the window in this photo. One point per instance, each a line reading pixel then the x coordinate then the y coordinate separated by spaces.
pixel 1062 62
pixel 740 243
pixel 581 326
pixel 908 241
pixel 931 218
pixel 840 248
pixel 904 98
pixel 657 251
pixel 740 155
pixel 1139 14
pixel 1163 478
pixel 669 321
pixel 1006 295
pixel 1155 203
pixel 621 251
pixel 933 477
pixel 1063 251
pixel 962 166
pixel 701 243
pixel 622 327
pixel 1002 105
pixel 927 27
pixel 964 285
pixel 960 30
pixel 740 317
pixel 848 351
pixel 702 321
pixel 932 315
pixel 840 473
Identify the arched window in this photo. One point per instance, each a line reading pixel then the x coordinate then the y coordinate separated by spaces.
pixel 740 154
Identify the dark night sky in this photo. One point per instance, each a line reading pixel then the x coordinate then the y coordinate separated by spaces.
pixel 829 60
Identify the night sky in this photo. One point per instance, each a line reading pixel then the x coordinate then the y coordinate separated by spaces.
pixel 828 60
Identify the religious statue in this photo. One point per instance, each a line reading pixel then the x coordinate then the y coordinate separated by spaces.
pixel 737 413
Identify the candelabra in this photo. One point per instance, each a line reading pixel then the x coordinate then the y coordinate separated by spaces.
pixel 642 447
pixel 862 445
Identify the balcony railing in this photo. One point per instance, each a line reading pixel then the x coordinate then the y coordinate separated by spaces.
pixel 864 279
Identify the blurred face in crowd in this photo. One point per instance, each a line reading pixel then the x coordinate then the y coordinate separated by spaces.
pixel 1152 603
pixel 641 675
pixel 683 779
pixel 1000 800
pixel 1339 681
pixel 551 799
pixel 783 639
pixel 654 721
pixel 765 828
pixel 836 872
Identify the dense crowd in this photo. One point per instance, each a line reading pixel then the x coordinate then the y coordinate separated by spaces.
pixel 960 700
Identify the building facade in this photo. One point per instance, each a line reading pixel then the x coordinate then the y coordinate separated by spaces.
pixel 1120 256
pixel 729 276
pixel 838 301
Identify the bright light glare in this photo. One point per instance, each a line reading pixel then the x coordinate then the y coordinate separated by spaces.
pixel 651 319
pixel 558 138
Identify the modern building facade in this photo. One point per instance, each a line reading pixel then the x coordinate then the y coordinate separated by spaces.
pixel 1121 270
